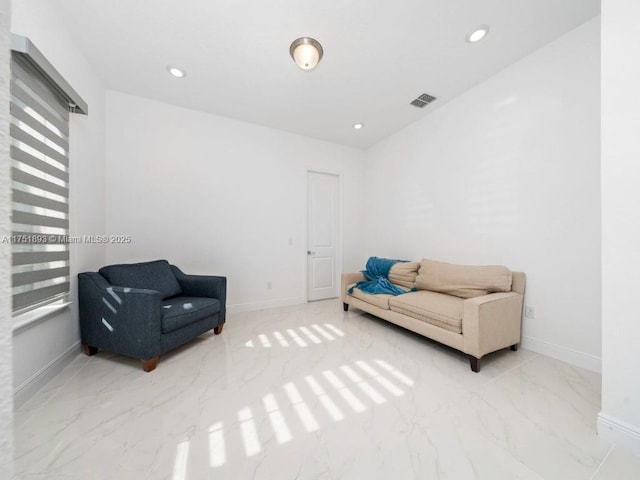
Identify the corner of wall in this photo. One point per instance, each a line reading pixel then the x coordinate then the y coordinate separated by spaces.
pixel 616 431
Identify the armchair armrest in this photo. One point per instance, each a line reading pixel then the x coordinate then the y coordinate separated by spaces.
pixel 349 279
pixel 491 322
pixel 119 319
pixel 208 286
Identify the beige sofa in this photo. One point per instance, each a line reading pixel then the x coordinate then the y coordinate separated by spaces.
pixel 475 309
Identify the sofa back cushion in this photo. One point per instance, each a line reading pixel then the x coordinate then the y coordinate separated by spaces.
pixel 155 275
pixel 465 281
pixel 404 273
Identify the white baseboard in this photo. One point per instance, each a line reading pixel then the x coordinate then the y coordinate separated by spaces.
pixel 280 302
pixel 36 381
pixel 574 357
pixel 618 432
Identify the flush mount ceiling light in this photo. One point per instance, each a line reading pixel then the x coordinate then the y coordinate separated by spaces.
pixel 176 71
pixel 358 126
pixel 477 34
pixel 306 52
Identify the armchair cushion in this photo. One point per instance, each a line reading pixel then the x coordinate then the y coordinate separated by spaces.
pixel 202 285
pixel 156 275
pixel 179 312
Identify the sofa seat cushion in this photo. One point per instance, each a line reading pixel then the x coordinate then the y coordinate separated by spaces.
pixel 438 309
pixel 380 300
pixel 179 312
pixel 155 275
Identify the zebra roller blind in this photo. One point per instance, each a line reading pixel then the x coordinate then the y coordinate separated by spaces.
pixel 40 189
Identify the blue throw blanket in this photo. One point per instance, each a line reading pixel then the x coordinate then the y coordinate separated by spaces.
pixel 377 277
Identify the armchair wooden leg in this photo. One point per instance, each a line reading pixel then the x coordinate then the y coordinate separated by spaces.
pixel 150 364
pixel 89 350
pixel 514 348
pixel 218 330
pixel 345 306
pixel 475 363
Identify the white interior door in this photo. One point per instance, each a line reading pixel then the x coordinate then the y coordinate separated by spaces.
pixel 323 236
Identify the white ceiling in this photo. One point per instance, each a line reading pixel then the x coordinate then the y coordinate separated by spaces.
pixel 379 55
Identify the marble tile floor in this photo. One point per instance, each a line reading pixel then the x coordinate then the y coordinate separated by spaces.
pixel 311 392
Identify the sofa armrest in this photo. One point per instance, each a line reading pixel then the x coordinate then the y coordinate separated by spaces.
pixel 491 322
pixel 208 286
pixel 119 319
pixel 349 279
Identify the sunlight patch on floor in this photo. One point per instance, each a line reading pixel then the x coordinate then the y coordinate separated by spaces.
pixel 344 392
pixel 217 450
pixel 296 338
pixel 301 408
pixel 383 381
pixel 278 423
pixel 329 405
pixel 180 464
pixel 366 388
pixel 249 434
pixel 396 373
pixel 302 336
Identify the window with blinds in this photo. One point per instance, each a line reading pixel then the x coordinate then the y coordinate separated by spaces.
pixel 40 189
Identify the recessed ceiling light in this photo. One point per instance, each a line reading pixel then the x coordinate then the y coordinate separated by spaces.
pixel 358 126
pixel 176 71
pixel 477 34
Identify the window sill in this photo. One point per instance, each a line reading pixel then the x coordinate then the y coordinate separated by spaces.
pixel 29 319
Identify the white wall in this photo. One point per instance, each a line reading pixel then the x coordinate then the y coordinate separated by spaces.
pixel 219 196
pixel 6 361
pixel 619 420
pixel 508 173
pixel 39 350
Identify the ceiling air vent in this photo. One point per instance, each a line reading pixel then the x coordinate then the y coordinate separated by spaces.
pixel 423 100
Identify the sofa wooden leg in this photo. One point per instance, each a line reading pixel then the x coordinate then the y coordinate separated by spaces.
pixel 89 350
pixel 475 363
pixel 345 306
pixel 514 348
pixel 218 330
pixel 150 364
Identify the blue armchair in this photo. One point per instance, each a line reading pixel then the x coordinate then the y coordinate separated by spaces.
pixel 143 310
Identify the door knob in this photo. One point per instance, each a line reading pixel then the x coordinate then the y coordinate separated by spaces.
pixel 309 252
